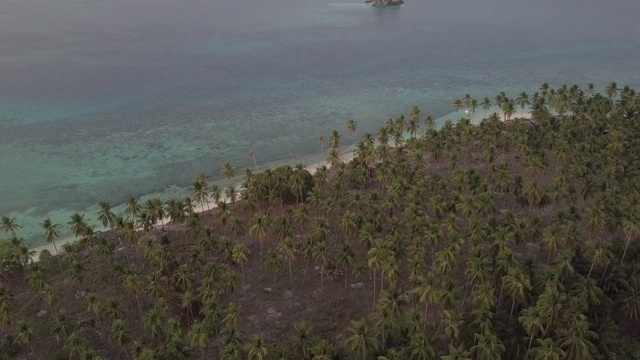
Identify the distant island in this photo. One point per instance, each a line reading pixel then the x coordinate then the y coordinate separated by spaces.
pixel 384 2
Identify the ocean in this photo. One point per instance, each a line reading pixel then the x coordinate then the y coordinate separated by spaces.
pixel 105 99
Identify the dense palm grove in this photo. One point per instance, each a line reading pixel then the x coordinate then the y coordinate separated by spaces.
pixel 504 240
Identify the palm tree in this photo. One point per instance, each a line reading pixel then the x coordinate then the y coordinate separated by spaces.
pixel 599 254
pixel 334 139
pixel 259 228
pixel 523 100
pixel 531 321
pixel 457 104
pixel 547 350
pixel 106 217
pixel 256 349
pixel 360 339
pixel 239 255
pixel 132 209
pixel 427 292
pixel 351 125
pixel 198 336
pixel 629 297
pixel 200 190
pixel 303 341
pixel 631 227
pixel 132 283
pixel 534 193
pixel 486 105
pixel 78 225
pixel 153 322
pixel 488 347
pixel 320 254
pixel 274 263
pixel 9 225
pixel 120 334
pixel 516 284
pixel 612 90
pixel 321 230
pixel 25 337
pixel 420 347
pixel 288 249
pixel 414 120
pixel 321 141
pixel 457 353
pixel 50 232
pixel 577 340
pixel 346 257
pixel 228 171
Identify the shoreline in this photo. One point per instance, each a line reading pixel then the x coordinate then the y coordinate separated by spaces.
pixel 198 208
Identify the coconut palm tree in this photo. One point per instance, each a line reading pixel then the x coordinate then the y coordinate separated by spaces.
pixel 361 340
pixel 78 225
pixel 302 341
pixel 547 350
pixel 629 297
pixel 351 125
pixel 50 232
pixel 516 285
pixel 256 349
pixel 631 227
pixel 289 250
pixel 25 337
pixel 577 340
pixel 120 334
pixel 457 104
pixel 320 254
pixel 346 258
pixel 334 140
pixel 532 322
pixel 612 90
pixel 487 347
pixel 523 101
pixel 259 228
pixel 427 291
pixel 106 217
pixel 198 336
pixel 228 171
pixel 240 254
pixel 420 347
pixel 200 190
pixel 9 225
pixel 274 263
pixel 132 209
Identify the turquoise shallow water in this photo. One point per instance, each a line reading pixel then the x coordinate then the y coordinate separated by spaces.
pixel 102 99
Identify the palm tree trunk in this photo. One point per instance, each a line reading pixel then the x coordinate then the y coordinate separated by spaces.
pixel 529 347
pixel 346 273
pixel 374 289
pixel 244 290
pixel 513 304
pixel 426 308
pixel 290 274
pixel 305 271
pixel 321 281
pixel 590 270
pixel 139 307
pixel 624 253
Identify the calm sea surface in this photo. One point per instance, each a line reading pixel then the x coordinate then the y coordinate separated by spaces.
pixel 102 99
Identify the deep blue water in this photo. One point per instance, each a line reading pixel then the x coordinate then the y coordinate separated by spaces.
pixel 102 99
